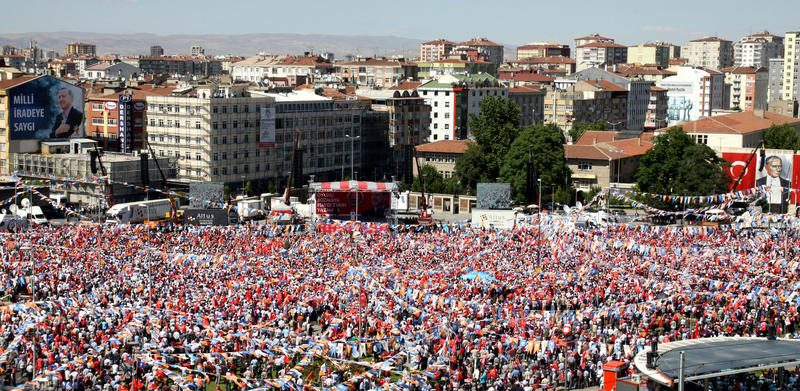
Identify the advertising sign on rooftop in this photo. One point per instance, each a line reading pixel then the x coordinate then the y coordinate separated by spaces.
pixel 45 107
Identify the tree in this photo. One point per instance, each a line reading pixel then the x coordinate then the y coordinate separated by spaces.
pixel 677 165
pixel 433 179
pixel 579 127
pixel 781 137
pixel 248 189
pixel 471 168
pixel 547 143
pixel 494 130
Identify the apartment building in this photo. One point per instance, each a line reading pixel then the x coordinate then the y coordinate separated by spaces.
pixel 791 66
pixel 428 70
pixel 441 155
pixel 561 66
pixel 156 51
pixel 490 51
pixel 693 93
pixel 598 54
pixel 530 100
pixel 602 158
pixel 592 39
pixel 107 70
pixel 261 68
pixel 649 53
pixel 198 66
pixel 453 98
pixel 656 109
pixel 638 97
pixel 81 49
pixel 435 50
pixel 653 74
pixel 542 50
pixel 710 52
pixel 373 72
pixel 747 87
pixel 755 50
pixel 585 101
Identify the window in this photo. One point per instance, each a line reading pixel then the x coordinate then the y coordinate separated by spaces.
pixel 215 171
pixel 160 122
pixel 97 106
pixel 224 123
pixel 224 109
pixel 177 139
pixel 216 157
pixel 584 165
pixel 446 104
pixel 197 157
pixel 215 109
pixel 235 139
pixel 224 170
pixel 152 122
pixel 224 140
pixel 246 138
pixel 214 126
pixel 197 124
pixel 224 156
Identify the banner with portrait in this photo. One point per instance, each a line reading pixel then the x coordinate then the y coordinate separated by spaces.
pixel 778 171
pixel 45 107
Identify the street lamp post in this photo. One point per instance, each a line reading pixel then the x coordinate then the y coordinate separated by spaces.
pixel 352 153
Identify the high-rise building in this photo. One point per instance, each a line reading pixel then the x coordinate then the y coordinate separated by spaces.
pixel 791 66
pixel 775 89
pixel 592 39
pixel 638 93
pixel 198 50
pixel 585 101
pixel 490 51
pixel 542 50
pixel 435 50
pixel 649 53
pixel 598 54
pixel 747 87
pixel 81 49
pixel 156 51
pixel 755 50
pixel 693 93
pixel 710 52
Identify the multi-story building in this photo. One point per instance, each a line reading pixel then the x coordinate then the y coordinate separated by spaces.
pixel 585 101
pixel 755 50
pixel 453 98
pixel 531 104
pixel 564 65
pixel 156 51
pixel 656 109
pixel 791 66
pixel 267 68
pixel 177 65
pixel 649 53
pixel 597 54
pixel 592 39
pixel 710 52
pixel 62 68
pixel 491 51
pixel 442 155
pixel 652 74
pixel 638 93
pixel 429 70
pixel 372 72
pixel 542 49
pixel 435 50
pixel 198 50
pixel 107 70
pixel 81 49
pixel 602 158
pixel 748 87
pixel 531 78
pixel 775 89
pixel 693 93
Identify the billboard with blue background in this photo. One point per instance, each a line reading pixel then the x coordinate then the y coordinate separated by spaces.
pixel 43 108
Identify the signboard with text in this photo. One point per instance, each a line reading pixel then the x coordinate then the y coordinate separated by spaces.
pixel 125 122
pixel 342 204
pixel 267 127
pixel 45 107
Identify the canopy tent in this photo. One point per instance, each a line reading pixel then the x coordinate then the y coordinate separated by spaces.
pixel 353 186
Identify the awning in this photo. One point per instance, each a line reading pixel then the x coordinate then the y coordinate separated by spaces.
pixel 584 176
pixel 353 186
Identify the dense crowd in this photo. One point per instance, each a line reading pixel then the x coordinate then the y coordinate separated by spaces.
pixel 125 308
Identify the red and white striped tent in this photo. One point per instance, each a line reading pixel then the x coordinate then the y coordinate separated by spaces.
pixel 354 186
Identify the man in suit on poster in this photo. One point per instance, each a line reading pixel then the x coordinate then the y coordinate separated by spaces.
pixel 778 186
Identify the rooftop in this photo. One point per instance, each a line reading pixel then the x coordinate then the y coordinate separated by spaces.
pixel 440 41
pixel 602 45
pixel 445 146
pixel 709 39
pixel 746 70
pixel 737 123
pixel 594 36
pixel 478 42
pixel 605 145
pixel 545 60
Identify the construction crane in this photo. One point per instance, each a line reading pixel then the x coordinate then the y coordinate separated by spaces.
pixel 174 215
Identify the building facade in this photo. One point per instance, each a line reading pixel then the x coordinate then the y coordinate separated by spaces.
pixel 429 70
pixel 176 65
pixel 441 155
pixel 598 54
pixel 755 50
pixel 649 53
pixel 775 89
pixel 491 51
pixel 264 68
pixel 115 71
pixel 542 50
pixel 748 87
pixel 435 50
pixel 638 98
pixel 453 98
pixel 656 109
pixel 81 49
pixel 592 39
pixel 585 101
pixel 791 66
pixel 710 52
pixel 376 72
pixel 156 51
pixel 693 93
pixel 531 104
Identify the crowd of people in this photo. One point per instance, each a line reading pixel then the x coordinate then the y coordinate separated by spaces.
pixel 124 308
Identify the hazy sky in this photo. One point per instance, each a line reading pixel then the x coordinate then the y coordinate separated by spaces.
pixel 511 22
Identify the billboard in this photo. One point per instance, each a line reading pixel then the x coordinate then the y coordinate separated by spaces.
pixel 267 127
pixel 207 216
pixel 342 204
pixel 778 172
pixel 203 194
pixel 494 196
pixel 43 108
pixel 125 122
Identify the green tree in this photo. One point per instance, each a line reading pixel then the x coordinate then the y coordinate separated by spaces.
pixel 471 168
pixel 433 179
pixel 494 130
pixel 547 144
pixel 248 189
pixel 579 127
pixel 452 186
pixel 781 137
pixel 676 165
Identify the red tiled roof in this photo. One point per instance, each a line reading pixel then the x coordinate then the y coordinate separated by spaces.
pixel 744 70
pixel 526 76
pixel 709 39
pixel 596 36
pixel 6 84
pixel 373 62
pixel 737 123
pixel 407 85
pixel 523 90
pixel 602 45
pixel 678 61
pixel 445 146
pixel 438 42
pixel 605 85
pixel 605 150
pixel 478 42
pixel 544 60
pixel 541 46
pixel 591 137
pixel 657 88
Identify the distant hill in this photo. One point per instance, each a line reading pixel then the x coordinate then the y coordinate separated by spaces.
pixel 240 45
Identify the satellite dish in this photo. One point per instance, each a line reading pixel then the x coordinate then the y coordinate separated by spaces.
pixel 13 208
pixel 26 203
pixel 578 205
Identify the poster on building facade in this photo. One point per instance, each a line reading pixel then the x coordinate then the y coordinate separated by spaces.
pixel 778 172
pixel 267 127
pixel 45 107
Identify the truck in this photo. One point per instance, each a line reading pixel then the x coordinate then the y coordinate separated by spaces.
pixel 32 213
pixel 138 212
pixel 250 208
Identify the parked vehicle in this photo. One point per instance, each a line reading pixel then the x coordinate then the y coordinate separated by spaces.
pixel 138 212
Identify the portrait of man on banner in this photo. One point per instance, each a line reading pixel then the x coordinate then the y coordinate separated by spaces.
pixel 775 175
